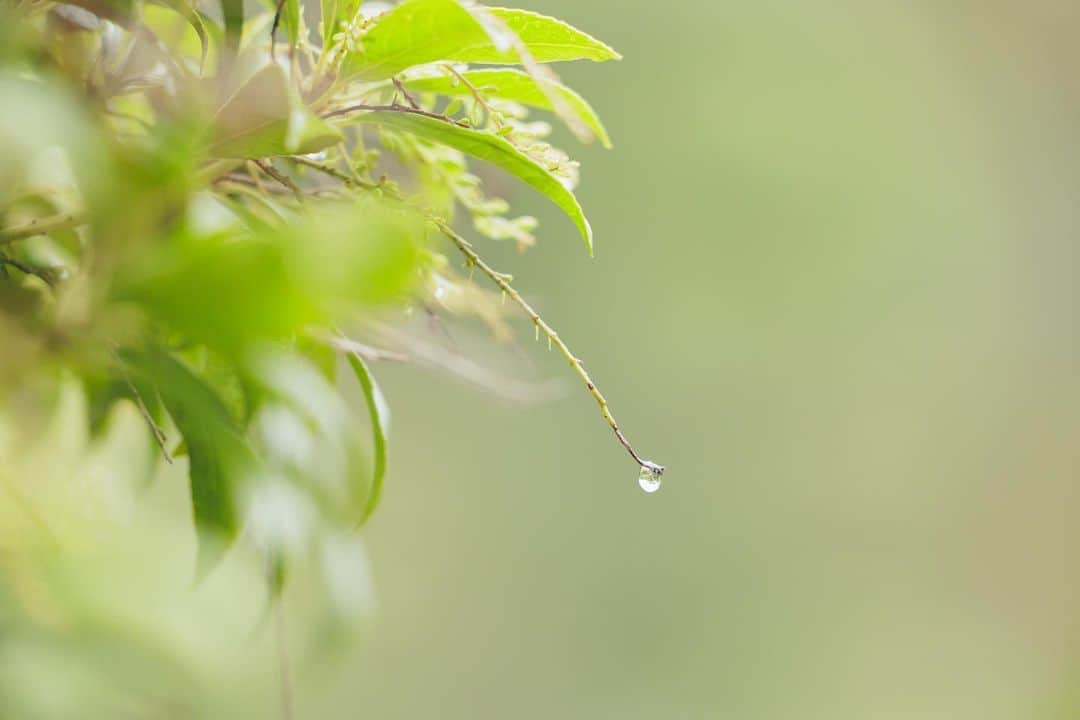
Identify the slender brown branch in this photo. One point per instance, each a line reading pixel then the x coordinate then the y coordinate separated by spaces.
pixel 475 93
pixel 43 274
pixel 503 282
pixel 406 94
pixel 394 108
pixel 348 180
pixel 155 429
pixel 267 167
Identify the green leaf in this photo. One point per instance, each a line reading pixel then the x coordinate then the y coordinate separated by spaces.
pixel 413 33
pixel 517 86
pixel 418 32
pixel 290 20
pixel 380 428
pixel 218 455
pixel 547 39
pixel 492 148
pixel 189 286
pixel 266 118
pixel 187 9
pixel 330 20
pixel 232 12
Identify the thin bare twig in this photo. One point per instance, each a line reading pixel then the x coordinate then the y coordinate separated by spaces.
pixel 282 178
pixel 40 226
pixel 43 274
pixel 406 94
pixel 503 282
pixel 155 429
pixel 395 108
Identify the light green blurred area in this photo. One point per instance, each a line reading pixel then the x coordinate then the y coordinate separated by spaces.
pixel 835 293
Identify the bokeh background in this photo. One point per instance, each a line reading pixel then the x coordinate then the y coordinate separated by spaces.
pixel 835 293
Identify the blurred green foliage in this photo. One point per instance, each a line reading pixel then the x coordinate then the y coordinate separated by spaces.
pixel 193 214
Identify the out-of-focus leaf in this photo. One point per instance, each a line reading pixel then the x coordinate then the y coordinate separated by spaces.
pixel 517 86
pixel 290 20
pixel 230 292
pixel 266 118
pixel 187 9
pixel 223 378
pixel 307 432
pixel 224 292
pixel 119 11
pixel 232 12
pixel 546 38
pixel 49 118
pixel 218 455
pixel 492 148
pixel 380 428
pixel 329 9
pixel 356 256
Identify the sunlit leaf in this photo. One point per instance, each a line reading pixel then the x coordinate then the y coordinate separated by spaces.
pixel 380 428
pixel 516 86
pixel 546 38
pixel 423 31
pixel 413 33
pixel 491 148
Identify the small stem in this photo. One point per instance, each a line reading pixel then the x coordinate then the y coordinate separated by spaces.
pixel 502 281
pixel 155 429
pixel 40 226
pixel 43 274
pixel 394 108
pixel 475 93
pixel 406 94
pixel 285 180
pixel 333 172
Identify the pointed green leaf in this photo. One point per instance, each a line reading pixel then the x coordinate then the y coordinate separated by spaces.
pixel 517 86
pixel 266 118
pixel 187 9
pixel 232 12
pixel 492 148
pixel 414 33
pixel 380 428
pixel 218 455
pixel 330 20
pixel 290 20
pixel 547 39
pixel 418 32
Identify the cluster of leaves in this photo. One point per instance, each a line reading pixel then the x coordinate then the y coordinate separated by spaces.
pixel 196 201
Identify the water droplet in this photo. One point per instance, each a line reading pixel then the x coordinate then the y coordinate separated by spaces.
pixel 649 477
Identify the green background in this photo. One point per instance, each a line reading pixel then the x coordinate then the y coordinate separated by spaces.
pixel 835 293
